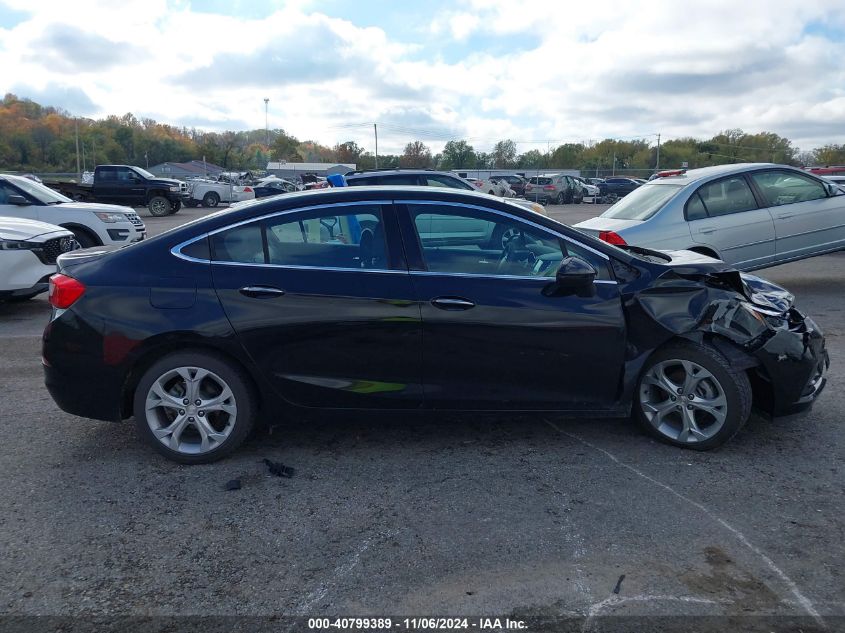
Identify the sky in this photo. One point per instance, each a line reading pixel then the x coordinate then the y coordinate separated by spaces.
pixel 540 72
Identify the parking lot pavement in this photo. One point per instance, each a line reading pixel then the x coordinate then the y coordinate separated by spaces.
pixel 456 514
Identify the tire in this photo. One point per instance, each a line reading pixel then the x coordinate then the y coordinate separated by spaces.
pixel 158 206
pixel 175 206
pixel 561 198
pixel 191 203
pixel 665 410
pixel 85 238
pixel 211 199
pixel 230 420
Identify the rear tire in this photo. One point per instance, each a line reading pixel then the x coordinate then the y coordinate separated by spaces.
pixel 158 206
pixel 688 395
pixel 191 433
pixel 175 206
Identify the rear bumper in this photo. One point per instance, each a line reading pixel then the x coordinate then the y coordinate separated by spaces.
pixel 72 359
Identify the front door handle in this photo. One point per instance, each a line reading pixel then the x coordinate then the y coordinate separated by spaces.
pixel 783 216
pixel 707 229
pixel 258 292
pixel 452 303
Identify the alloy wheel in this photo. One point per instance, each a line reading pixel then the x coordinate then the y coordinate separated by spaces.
pixel 191 410
pixel 683 401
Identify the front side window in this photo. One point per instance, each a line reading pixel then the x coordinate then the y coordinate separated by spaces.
pixel 786 187
pixel 458 240
pixel 320 238
pixel 723 197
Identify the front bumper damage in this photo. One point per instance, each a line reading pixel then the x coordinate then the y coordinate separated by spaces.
pixel 755 325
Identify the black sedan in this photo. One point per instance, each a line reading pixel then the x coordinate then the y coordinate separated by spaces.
pixel 398 298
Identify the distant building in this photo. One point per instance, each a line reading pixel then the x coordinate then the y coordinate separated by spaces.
pixel 292 170
pixel 192 169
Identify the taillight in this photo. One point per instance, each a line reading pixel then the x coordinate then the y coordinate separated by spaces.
pixel 612 238
pixel 64 291
pixel 247 189
pixel 549 188
pixel 527 187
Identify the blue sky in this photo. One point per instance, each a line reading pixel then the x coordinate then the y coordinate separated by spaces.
pixel 535 71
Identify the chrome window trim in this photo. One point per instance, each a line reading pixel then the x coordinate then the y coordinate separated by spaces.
pixel 507 215
pixel 295 267
pixel 430 273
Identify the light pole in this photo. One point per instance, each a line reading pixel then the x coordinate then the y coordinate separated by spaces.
pixel 266 123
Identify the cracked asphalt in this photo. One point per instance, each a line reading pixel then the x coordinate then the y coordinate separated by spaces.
pixel 457 515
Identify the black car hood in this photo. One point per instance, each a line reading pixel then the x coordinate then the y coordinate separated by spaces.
pixel 165 181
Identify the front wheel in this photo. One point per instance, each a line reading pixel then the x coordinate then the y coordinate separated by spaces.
pixel 159 206
pixel 194 407
pixel 690 396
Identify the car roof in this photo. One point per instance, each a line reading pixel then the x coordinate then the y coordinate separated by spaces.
pixel 385 172
pixel 716 171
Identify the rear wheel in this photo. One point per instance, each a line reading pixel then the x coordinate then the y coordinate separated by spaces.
pixel 175 206
pixel 159 206
pixel 211 199
pixel 194 407
pixel 690 396
pixel 561 198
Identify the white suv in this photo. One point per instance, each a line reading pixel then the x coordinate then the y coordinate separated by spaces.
pixel 28 253
pixel 92 224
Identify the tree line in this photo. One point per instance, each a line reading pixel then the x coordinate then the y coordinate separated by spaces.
pixel 41 138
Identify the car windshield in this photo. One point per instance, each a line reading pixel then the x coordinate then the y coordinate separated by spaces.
pixel 642 203
pixel 144 173
pixel 40 192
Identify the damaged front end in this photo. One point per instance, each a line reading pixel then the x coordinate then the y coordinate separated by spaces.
pixel 750 320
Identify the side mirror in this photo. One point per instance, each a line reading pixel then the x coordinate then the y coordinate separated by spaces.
pixel 575 274
pixel 833 189
pixel 17 200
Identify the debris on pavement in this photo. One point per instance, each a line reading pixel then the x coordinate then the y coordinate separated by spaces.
pixel 279 469
pixel 233 484
pixel 618 586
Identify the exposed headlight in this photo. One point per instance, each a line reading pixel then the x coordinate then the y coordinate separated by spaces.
pixel 175 188
pixel 109 217
pixel 18 245
pixel 761 313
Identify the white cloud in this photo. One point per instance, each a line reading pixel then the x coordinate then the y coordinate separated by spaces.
pixel 486 69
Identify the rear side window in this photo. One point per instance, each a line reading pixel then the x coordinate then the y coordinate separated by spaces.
pixel 782 187
pixel 399 179
pixel 695 208
pixel 724 197
pixel 314 239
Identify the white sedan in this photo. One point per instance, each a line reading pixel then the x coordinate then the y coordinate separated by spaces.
pixel 93 224
pixel 28 253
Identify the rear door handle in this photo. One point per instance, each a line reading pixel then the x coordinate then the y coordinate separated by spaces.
pixel 707 229
pixel 257 292
pixel 452 303
pixel 783 216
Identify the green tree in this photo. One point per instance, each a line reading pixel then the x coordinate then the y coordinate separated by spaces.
pixel 504 154
pixel 285 147
pixel 458 155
